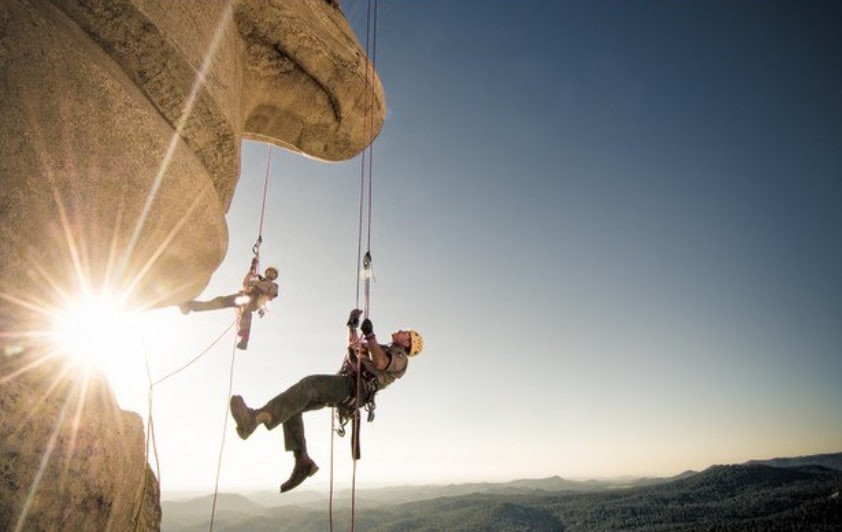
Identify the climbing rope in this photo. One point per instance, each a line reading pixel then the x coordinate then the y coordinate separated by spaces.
pixel 196 358
pixel 256 247
pixel 150 436
pixel 224 431
pixel 365 212
pixel 150 421
pixel 255 271
pixel 371 52
pixel 254 268
pixel 330 499
pixel 150 425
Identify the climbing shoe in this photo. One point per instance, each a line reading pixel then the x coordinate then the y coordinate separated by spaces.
pixel 304 467
pixel 245 417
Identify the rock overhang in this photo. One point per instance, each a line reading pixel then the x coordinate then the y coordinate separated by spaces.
pixel 120 144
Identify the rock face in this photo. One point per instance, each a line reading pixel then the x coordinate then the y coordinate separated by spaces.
pixel 70 459
pixel 120 131
pixel 122 123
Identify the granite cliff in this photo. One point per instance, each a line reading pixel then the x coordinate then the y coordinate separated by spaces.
pixel 119 155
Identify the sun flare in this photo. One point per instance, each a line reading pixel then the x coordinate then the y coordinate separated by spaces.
pixel 89 329
pixel 97 333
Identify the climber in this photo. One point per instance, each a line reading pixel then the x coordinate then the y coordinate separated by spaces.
pixel 257 291
pixel 381 365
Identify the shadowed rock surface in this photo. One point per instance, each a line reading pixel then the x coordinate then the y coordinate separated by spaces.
pixel 119 156
pixel 70 459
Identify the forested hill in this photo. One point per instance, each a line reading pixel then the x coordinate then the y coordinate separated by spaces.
pixel 744 497
pixel 830 460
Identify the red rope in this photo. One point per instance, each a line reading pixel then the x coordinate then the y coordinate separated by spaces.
pixel 365 189
pixel 371 120
pixel 360 231
pixel 265 187
pixel 332 429
pixel 355 444
pixel 370 81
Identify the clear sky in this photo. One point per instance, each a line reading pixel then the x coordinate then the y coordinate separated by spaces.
pixel 617 225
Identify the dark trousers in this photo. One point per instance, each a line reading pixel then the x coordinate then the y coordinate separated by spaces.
pixel 310 393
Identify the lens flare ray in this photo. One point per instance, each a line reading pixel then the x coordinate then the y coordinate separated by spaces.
pixel 89 287
pixel 189 104
pixel 45 459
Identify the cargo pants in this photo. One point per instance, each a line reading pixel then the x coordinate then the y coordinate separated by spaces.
pixel 310 393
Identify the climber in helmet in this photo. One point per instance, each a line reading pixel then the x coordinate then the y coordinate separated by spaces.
pixel 257 291
pixel 380 366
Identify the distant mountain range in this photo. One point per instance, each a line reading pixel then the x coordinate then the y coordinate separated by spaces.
pixel 800 493
pixel 831 460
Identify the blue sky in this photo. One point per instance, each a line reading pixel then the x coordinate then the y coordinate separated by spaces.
pixel 616 224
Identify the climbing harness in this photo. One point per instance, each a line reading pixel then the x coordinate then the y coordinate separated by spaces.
pixel 365 385
pixel 365 390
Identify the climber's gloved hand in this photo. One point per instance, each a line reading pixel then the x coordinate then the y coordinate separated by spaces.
pixel 354 318
pixel 367 327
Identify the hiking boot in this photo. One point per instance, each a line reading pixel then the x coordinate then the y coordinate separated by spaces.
pixel 245 417
pixel 242 345
pixel 304 467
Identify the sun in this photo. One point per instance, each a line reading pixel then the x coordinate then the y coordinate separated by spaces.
pixel 88 329
pixel 98 333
